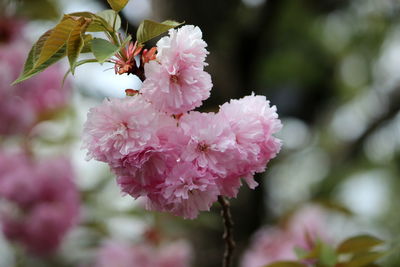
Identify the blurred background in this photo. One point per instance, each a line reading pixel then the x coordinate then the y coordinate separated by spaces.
pixel 331 67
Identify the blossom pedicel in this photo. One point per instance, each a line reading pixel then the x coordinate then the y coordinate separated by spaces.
pixel 181 160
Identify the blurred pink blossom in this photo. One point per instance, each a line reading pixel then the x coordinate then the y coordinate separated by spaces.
pixel 24 104
pixel 175 254
pixel 270 244
pixel 41 201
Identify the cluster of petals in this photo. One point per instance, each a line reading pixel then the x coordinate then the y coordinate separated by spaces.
pixel 269 244
pixel 176 81
pixel 174 254
pixel 180 160
pixel 24 104
pixel 40 202
pixel 182 165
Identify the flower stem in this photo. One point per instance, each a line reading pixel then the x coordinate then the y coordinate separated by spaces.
pixel 228 231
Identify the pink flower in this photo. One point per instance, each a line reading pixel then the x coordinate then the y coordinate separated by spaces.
pixel 119 127
pixel 185 192
pixel 175 254
pixel 175 89
pixel 211 142
pixel 185 45
pixel 176 82
pixel 272 244
pixel 146 165
pixel 140 172
pixel 253 123
pixel 42 202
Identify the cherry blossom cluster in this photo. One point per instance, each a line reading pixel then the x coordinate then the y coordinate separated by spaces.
pixel 178 159
pixel 40 202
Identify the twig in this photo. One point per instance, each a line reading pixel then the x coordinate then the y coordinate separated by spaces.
pixel 228 231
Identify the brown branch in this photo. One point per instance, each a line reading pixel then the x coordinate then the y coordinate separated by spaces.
pixel 228 231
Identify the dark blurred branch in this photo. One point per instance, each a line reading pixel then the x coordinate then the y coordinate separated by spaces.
pixel 228 231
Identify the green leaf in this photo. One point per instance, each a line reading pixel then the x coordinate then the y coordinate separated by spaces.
pixel 57 39
pixel 300 252
pixel 28 74
pixel 364 259
pixel 149 29
pixel 117 5
pixel 29 69
pixel 286 264
pixel 87 47
pixel 110 16
pixel 327 255
pixel 76 42
pixel 358 243
pixel 35 51
pixel 98 23
pixel 103 49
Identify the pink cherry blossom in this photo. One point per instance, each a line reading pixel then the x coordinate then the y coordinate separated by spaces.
pixel 41 201
pixel 139 173
pixel 175 89
pixel 253 123
pixel 211 142
pixel 120 126
pixel 184 44
pixel 176 82
pixel 271 244
pixel 185 192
